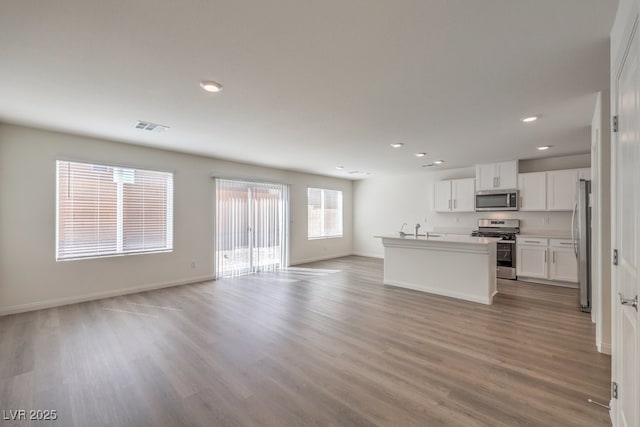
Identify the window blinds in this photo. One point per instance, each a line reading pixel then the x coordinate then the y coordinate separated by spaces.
pixel 107 210
pixel 324 213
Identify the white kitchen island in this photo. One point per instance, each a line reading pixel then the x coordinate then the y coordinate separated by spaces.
pixel 455 266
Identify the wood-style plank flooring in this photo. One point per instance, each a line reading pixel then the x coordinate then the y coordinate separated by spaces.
pixel 321 344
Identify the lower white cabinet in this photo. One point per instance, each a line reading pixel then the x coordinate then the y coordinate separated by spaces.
pixel 546 259
pixel 531 258
pixel 564 264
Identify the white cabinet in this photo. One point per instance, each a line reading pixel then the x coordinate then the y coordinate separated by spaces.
pixel 550 191
pixel 494 176
pixel 532 258
pixel 564 265
pixel 546 259
pixel 442 196
pixel 561 189
pixel 533 191
pixel 457 195
pixel 464 195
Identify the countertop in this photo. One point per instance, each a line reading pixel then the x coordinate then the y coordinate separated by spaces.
pixel 442 239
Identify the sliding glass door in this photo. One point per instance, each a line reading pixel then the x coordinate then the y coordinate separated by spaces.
pixel 251 227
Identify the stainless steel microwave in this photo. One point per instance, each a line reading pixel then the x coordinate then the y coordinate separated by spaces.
pixel 497 200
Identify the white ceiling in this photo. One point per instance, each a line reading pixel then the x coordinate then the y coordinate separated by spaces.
pixel 309 85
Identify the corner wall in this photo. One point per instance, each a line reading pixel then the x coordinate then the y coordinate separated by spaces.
pixel 30 277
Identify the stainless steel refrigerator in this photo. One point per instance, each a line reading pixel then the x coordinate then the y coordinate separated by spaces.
pixel 581 234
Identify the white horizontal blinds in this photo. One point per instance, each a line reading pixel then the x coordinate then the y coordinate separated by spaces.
pixel 105 210
pixel 324 213
pixel 145 223
pixel 87 210
pixel 251 226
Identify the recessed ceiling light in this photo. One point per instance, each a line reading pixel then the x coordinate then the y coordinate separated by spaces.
pixel 543 147
pixel 397 144
pixel 529 119
pixel 438 162
pixel 339 167
pixel 211 86
pixel 421 154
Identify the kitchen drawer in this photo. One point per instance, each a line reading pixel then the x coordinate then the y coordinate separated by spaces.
pixel 531 241
pixel 561 243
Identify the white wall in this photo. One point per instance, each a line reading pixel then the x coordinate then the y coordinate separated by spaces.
pixel 382 204
pixel 31 278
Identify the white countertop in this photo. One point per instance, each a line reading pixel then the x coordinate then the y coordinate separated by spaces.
pixel 468 240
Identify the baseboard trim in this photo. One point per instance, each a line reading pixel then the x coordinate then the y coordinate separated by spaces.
pixel 320 258
pixel 57 302
pixel 368 255
pixel 441 292
pixel 604 348
pixel 548 282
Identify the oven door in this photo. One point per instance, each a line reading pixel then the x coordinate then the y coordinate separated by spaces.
pixel 506 259
pixel 497 200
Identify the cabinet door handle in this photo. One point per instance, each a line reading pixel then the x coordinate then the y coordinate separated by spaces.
pixel 520 201
pixel 455 203
pixel 545 256
pixel 498 181
pixel 554 256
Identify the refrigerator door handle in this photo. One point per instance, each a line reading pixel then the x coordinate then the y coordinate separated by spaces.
pixel 573 228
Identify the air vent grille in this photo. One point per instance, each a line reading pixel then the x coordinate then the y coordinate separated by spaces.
pixel 151 127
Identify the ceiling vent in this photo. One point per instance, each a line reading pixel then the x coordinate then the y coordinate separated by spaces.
pixel 151 127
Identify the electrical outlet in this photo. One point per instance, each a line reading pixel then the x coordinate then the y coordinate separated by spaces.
pixel 457 219
pixel 193 264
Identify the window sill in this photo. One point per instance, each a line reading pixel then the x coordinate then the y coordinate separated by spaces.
pixel 325 237
pixel 124 254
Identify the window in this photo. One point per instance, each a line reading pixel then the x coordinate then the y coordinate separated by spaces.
pixel 107 210
pixel 324 212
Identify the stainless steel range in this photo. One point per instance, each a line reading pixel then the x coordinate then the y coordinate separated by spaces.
pixel 505 229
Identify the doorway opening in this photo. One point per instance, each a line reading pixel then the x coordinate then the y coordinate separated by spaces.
pixel 251 231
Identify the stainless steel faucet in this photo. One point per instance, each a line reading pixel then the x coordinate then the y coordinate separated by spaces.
pixel 416 230
pixel 401 228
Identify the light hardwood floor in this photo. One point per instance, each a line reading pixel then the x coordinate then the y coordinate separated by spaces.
pixel 321 344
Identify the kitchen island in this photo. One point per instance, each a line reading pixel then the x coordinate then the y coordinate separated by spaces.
pixel 455 266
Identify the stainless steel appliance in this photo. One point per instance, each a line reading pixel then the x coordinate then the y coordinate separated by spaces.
pixel 581 234
pixel 506 230
pixel 497 200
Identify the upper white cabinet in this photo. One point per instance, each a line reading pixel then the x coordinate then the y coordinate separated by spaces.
pixel 442 196
pixel 561 189
pixel 550 191
pixel 457 195
pixel 496 176
pixel 464 195
pixel 533 191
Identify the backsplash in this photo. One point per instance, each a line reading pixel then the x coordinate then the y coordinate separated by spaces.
pixel 555 223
